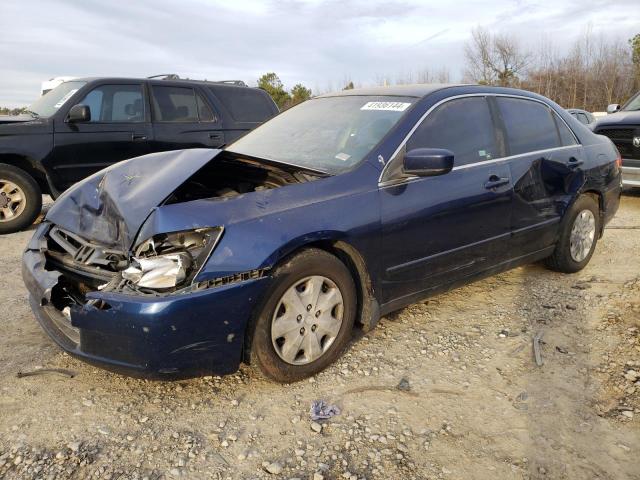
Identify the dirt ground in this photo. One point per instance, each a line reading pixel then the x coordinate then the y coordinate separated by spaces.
pixel 476 404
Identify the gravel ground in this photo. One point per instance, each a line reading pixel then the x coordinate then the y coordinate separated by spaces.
pixel 473 402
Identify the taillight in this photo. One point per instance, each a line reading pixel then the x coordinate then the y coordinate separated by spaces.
pixel 619 160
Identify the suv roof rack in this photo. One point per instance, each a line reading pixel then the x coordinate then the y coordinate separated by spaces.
pixel 166 76
pixel 173 76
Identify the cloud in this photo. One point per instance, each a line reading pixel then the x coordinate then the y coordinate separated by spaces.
pixel 320 43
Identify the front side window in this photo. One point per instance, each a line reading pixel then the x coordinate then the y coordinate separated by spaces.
pixel 115 104
pixel 50 102
pixel 328 134
pixel 633 103
pixel 464 126
pixel 529 125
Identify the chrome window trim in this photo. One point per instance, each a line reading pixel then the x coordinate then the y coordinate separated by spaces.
pixel 396 181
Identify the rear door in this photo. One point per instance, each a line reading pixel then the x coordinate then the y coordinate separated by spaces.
pixel 119 129
pixel 440 229
pixel 546 166
pixel 183 118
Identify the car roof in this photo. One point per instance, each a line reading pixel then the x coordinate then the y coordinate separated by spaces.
pixel 418 90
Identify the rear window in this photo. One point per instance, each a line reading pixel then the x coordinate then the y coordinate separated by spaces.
pixel 245 104
pixel 530 125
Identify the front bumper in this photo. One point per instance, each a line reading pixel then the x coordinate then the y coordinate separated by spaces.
pixel 630 175
pixel 172 336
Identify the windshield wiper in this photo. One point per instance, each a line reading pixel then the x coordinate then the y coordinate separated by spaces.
pixel 32 113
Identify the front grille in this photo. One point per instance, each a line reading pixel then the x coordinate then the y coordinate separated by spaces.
pixel 623 139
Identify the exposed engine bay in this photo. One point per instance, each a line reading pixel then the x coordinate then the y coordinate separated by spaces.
pixel 230 176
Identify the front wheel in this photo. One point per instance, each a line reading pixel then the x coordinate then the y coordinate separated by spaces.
pixel 20 199
pixel 578 236
pixel 306 320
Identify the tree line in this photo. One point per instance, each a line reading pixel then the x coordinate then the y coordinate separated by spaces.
pixel 595 71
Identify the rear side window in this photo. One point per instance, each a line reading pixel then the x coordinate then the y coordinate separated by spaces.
pixel 175 104
pixel 115 103
pixel 566 136
pixel 463 126
pixel 530 125
pixel 245 104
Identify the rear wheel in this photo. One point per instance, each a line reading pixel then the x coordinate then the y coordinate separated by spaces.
pixel 20 199
pixel 578 236
pixel 306 319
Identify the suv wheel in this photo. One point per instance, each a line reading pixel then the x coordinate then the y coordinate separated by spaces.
pixel 306 319
pixel 20 199
pixel 578 236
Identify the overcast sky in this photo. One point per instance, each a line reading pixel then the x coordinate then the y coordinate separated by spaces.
pixel 320 43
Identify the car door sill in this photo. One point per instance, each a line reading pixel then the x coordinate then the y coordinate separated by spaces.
pixel 405 300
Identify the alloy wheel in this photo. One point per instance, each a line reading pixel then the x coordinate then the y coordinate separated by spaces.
pixel 12 200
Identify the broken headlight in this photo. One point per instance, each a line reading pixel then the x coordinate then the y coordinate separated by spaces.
pixel 169 260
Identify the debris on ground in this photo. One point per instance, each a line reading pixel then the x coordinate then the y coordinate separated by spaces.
pixel 43 371
pixel 404 385
pixel 537 351
pixel 321 410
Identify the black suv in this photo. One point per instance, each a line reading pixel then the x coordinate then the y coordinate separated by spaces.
pixel 85 125
pixel 622 126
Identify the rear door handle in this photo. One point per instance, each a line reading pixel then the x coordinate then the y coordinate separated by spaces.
pixel 215 136
pixel 574 162
pixel 138 137
pixel 495 182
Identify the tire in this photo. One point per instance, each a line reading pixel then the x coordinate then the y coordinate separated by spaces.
pixel 309 271
pixel 563 259
pixel 27 187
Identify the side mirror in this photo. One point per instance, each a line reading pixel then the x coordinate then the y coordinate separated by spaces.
pixel 427 162
pixel 79 113
pixel 613 108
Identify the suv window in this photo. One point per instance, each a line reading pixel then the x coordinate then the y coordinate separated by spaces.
pixel 464 126
pixel 245 104
pixel 179 104
pixel 115 103
pixel 530 125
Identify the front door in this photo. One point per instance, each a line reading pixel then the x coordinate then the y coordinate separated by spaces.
pixel 436 230
pixel 119 129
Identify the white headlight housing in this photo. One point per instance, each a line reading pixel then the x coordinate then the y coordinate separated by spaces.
pixel 168 260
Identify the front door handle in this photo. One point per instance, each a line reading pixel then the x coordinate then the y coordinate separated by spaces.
pixel 574 162
pixel 215 136
pixel 138 137
pixel 495 182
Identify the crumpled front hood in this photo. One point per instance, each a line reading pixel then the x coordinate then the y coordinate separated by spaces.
pixel 110 206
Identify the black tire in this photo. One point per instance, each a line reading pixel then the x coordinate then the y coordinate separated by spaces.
pixel 561 260
pixel 32 194
pixel 306 263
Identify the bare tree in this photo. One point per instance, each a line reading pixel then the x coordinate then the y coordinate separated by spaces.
pixel 494 59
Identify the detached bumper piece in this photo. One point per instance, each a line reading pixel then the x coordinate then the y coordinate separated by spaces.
pixel 171 336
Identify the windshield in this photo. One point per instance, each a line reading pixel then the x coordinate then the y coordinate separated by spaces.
pixel 51 101
pixel 330 134
pixel 633 104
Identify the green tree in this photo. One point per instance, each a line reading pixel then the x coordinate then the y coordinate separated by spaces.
pixel 299 93
pixel 271 83
pixel 349 86
pixel 634 43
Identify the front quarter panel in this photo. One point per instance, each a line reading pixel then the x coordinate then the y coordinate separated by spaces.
pixel 263 227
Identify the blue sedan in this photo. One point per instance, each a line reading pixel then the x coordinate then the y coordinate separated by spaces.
pixel 334 213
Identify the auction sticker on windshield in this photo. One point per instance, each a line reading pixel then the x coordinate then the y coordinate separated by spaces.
pixel 390 106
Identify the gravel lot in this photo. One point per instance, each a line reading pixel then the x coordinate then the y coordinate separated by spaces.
pixel 477 406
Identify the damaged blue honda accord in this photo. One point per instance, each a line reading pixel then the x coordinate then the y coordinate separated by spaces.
pixel 334 213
